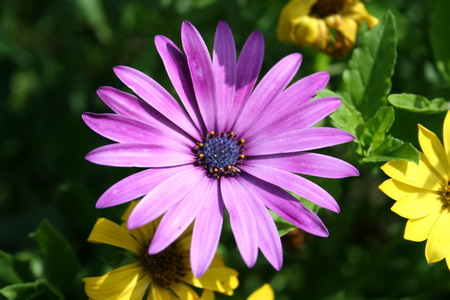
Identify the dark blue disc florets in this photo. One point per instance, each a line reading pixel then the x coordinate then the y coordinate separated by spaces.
pixel 220 154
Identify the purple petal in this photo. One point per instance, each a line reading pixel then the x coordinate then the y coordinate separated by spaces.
pixel 125 130
pixel 137 185
pixel 224 69
pixel 299 118
pixel 268 89
pixel 248 67
pixel 164 196
pixel 155 95
pixel 138 155
pixel 206 233
pixel 200 67
pixel 307 163
pixel 131 106
pixel 296 95
pixel 242 221
pixel 268 239
pixel 178 71
pixel 293 183
pixel 299 140
pixel 287 207
pixel 180 216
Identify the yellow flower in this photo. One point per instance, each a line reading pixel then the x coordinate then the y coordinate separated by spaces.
pixel 163 276
pixel 422 193
pixel 263 293
pixel 326 25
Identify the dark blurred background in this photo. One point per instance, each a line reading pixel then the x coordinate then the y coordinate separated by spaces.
pixel 54 54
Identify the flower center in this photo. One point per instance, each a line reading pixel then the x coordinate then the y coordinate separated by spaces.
pixel 221 154
pixel 445 196
pixel 325 8
pixel 165 267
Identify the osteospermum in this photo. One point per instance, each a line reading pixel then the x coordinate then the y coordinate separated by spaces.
pixel 165 276
pixel 234 146
pixel 326 25
pixel 422 193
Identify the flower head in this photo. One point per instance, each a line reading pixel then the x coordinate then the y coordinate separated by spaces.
pixel 422 193
pixel 326 25
pixel 166 275
pixel 234 146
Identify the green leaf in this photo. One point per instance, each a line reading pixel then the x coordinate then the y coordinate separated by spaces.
pixel 346 117
pixel 393 149
pixel 30 290
pixel 419 104
pixel 283 226
pixel 7 272
pixel 439 35
pixel 367 79
pixel 376 128
pixel 60 263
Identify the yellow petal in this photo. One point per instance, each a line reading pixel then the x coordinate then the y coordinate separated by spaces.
pixel 107 232
pixel 158 293
pixel 128 211
pixel 438 244
pixel 434 151
pixel 417 205
pixel 288 16
pixel 396 189
pixel 223 280
pixel 420 175
pixel 447 134
pixel 184 243
pixel 127 282
pixel 417 230
pixel 263 293
pixel 184 292
pixel 208 295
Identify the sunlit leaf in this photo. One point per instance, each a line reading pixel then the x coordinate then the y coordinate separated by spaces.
pixel 367 80
pixel 419 104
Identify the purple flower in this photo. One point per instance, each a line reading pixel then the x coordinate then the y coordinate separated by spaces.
pixel 232 147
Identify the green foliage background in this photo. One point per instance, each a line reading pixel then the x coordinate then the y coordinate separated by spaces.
pixel 54 54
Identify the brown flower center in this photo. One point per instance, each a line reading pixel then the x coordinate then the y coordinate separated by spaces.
pixel 325 8
pixel 165 267
pixel 445 196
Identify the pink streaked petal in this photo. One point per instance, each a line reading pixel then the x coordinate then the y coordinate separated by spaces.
pixel 287 207
pixel 294 183
pixel 296 95
pixel 138 155
pixel 299 118
pixel 176 66
pixel 126 130
pixel 224 69
pixel 202 75
pixel 137 185
pixel 164 196
pixel 206 233
pixel 248 67
pixel 273 83
pixel 299 140
pixel 155 95
pixel 128 105
pixel 242 221
pixel 307 163
pixel 180 216
pixel 268 239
